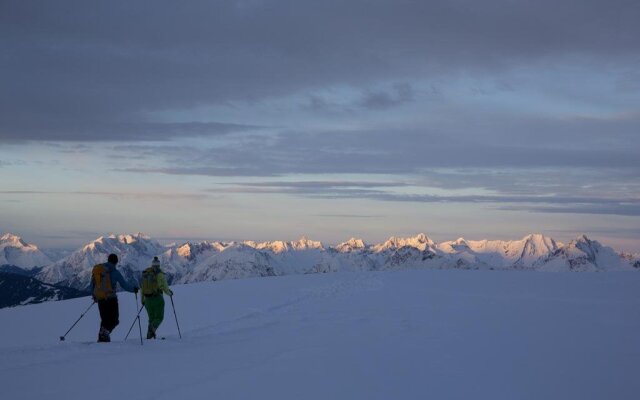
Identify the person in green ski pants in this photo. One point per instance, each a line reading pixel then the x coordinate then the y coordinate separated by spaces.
pixel 153 285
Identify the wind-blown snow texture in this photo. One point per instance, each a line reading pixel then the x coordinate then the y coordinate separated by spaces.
pixel 369 335
pixel 210 261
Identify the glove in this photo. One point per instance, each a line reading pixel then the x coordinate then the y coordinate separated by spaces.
pixel 135 289
pixel 170 293
pixel 95 300
pixel 142 301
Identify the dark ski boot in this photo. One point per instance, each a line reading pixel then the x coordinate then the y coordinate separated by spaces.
pixel 151 333
pixel 104 335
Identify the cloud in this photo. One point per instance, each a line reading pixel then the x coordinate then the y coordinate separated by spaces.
pixel 618 231
pixel 348 216
pixel 205 171
pixel 135 195
pixel 535 100
pixel 541 181
pixel 630 210
pixel 78 130
pixel 325 189
pixel 13 162
pixel 381 100
pixel 322 185
pixel 386 191
pixel 472 142
pixel 78 71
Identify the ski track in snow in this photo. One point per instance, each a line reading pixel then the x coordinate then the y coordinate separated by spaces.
pixel 374 335
pixel 251 321
pixel 351 285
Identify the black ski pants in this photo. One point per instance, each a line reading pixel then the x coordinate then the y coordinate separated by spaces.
pixel 109 313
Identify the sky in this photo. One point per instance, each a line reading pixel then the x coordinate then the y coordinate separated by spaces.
pixel 265 120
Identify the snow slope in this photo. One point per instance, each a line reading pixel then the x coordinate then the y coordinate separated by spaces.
pixel 414 334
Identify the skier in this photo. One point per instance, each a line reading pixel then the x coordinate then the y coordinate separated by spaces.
pixel 153 284
pixel 103 288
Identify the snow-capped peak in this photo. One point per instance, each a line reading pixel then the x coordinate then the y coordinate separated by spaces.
pixel 16 252
pixel 191 250
pixel 14 240
pixel 127 239
pixel 539 238
pixel 583 239
pixel 304 244
pixel 191 262
pixel 420 242
pixel 590 247
pixel 351 245
pixel 135 253
pixel 279 246
pixel 276 246
pixel 531 248
pixel 113 243
pixel 537 243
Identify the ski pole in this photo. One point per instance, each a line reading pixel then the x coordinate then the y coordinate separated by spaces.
pixel 134 322
pixel 78 320
pixel 174 314
pixel 139 326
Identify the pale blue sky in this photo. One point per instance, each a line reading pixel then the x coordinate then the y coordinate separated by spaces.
pixel 254 120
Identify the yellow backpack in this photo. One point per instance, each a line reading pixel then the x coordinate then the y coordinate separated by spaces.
pixel 102 288
pixel 150 285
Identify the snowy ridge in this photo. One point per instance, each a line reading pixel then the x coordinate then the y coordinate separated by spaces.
pixel 352 244
pixel 237 261
pixel 517 254
pixel 583 254
pixel 280 246
pixel 15 252
pixel 206 261
pixel 420 242
pixel 134 252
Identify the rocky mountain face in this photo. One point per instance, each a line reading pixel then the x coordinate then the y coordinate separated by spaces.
pixel 207 261
pixel 583 254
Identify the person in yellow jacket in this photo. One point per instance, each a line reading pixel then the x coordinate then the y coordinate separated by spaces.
pixel 153 285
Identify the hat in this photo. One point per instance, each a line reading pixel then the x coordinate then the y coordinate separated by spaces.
pixel 113 259
pixel 155 262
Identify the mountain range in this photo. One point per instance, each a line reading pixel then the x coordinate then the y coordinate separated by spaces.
pixel 211 261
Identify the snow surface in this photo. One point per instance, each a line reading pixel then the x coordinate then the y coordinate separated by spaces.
pixel 415 334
